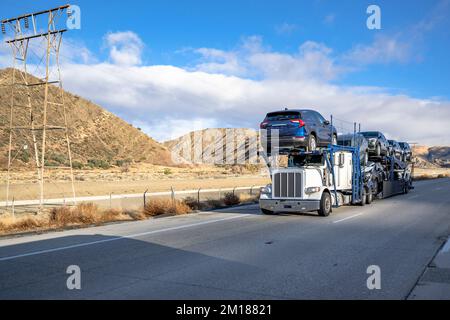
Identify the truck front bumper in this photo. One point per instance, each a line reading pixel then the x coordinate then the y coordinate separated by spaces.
pixel 279 205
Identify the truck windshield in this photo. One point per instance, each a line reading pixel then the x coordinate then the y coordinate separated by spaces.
pixel 306 159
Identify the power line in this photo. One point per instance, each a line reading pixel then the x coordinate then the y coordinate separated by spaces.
pixel 21 41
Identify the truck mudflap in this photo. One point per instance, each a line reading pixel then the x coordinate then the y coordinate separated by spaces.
pixel 280 205
pixel 391 188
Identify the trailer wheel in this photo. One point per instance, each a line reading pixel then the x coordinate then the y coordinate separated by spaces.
pixel 378 150
pixel 325 205
pixel 268 212
pixel 406 188
pixel 369 196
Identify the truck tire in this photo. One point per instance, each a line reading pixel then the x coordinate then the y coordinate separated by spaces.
pixel 378 150
pixel 268 212
pixel 363 198
pixel 406 188
pixel 369 196
pixel 325 205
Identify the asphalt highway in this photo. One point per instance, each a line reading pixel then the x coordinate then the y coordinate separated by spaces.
pixel 238 253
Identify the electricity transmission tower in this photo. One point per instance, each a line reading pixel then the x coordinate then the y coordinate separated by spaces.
pixel 34 101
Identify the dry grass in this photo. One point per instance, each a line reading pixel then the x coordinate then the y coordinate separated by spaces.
pixel 84 213
pixel 248 198
pixel 158 207
pixel 9 224
pixel 431 176
pixel 80 215
pixel 89 214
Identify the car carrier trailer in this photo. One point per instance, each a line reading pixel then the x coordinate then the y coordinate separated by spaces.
pixel 330 177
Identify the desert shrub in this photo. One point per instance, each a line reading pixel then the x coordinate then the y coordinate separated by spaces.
pixel 123 162
pixel 51 163
pixel 83 213
pixel 215 203
pixel 167 171
pixel 230 199
pixel 9 224
pixel 156 207
pixel 191 202
pixel 58 158
pixel 77 165
pixel 98 163
pixel 24 156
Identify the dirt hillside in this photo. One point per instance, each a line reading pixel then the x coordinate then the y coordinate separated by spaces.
pixel 98 138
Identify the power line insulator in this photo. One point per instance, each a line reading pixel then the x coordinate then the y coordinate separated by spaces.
pixel 27 25
pixel 3 28
pixel 69 11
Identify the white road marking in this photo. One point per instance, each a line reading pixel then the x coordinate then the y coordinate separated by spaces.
pixel 119 238
pixel 438 188
pixel 350 217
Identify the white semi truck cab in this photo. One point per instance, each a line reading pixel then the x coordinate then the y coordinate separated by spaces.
pixel 331 177
pixel 313 181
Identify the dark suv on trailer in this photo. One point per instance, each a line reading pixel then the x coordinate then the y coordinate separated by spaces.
pixel 395 149
pixel 407 152
pixel 378 144
pixel 299 128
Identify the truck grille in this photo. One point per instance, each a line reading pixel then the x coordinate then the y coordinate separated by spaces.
pixel 287 185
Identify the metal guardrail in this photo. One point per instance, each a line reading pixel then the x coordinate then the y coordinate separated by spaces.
pixel 144 196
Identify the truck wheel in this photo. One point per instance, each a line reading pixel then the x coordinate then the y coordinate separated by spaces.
pixel 363 198
pixel 369 197
pixel 312 143
pixel 378 150
pixel 268 212
pixel 325 205
pixel 375 188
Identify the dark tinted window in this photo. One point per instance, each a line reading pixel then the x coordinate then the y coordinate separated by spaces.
pixel 304 159
pixel 308 116
pixel 345 141
pixel 282 115
pixel 319 117
pixel 371 134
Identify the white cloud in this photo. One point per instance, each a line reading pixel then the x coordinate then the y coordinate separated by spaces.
pixel 383 50
pixel 171 100
pixel 167 101
pixel 252 59
pixel 286 28
pixel 125 48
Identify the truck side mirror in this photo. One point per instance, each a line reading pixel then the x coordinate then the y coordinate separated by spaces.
pixel 326 122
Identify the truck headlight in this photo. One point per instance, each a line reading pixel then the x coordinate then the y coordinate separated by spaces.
pixel 266 190
pixel 312 189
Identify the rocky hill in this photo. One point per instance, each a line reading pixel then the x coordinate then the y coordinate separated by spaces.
pixel 211 146
pixel 432 157
pixel 98 137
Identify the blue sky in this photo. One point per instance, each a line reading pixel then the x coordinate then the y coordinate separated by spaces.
pixel 245 41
